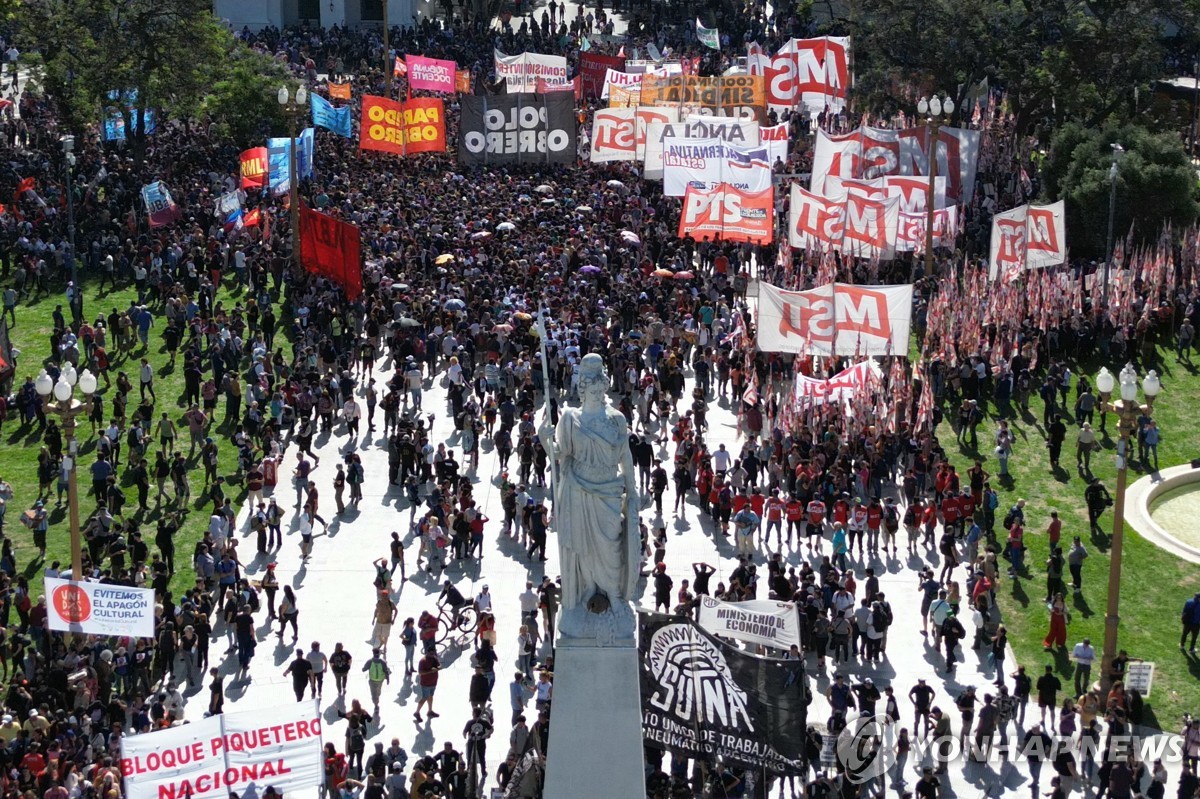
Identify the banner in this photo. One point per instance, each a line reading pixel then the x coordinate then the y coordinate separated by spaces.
pixel 707 163
pixel 522 71
pixel 626 98
pixel 913 192
pixel 620 80
pixel 399 68
pixel 763 622
pixel 326 115
pixel 775 139
pixel 870 153
pixel 279 159
pixel 619 134
pixel 159 205
pixel 545 87
pixel 910 236
pixel 339 91
pixel 1028 237
pixel 240 752
pixel 518 129
pixel 593 68
pixel 99 609
pixel 835 319
pixel 852 224
pixel 331 248
pixel 814 73
pixel 840 388
pixel 709 37
pixel 705 699
pixel 431 74
pixel 254 168
pixel 729 214
pixel 731 131
pixel 462 81
pixel 740 96
pixel 114 123
pixel 403 128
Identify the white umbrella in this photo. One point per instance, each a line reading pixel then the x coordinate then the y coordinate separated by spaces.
pixel 545 188
pixel 583 209
pixel 630 237
pixel 506 226
pixel 615 184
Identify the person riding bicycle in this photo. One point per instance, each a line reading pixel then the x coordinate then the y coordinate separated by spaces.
pixel 453 597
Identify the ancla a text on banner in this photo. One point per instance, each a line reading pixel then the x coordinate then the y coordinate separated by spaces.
pixel 242 752
pixel 99 609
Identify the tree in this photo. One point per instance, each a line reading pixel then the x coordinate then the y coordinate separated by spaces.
pixel 1156 185
pixel 173 54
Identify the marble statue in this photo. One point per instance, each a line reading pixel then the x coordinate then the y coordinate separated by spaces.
pixel 596 505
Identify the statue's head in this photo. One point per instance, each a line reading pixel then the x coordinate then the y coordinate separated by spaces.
pixel 593 379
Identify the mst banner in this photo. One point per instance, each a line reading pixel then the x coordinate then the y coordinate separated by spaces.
pixel 619 134
pixel 728 214
pixel 97 609
pixel 705 699
pixel 415 126
pixel 741 96
pixel 242 752
pixel 1028 237
pixel 851 224
pixel 773 624
pixel 519 128
pixel 870 153
pixel 835 319
pixel 814 73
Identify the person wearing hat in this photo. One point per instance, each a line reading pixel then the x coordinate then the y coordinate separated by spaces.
pixel 39 523
pixel 377 674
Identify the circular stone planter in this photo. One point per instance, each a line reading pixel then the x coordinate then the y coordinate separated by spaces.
pixel 1140 497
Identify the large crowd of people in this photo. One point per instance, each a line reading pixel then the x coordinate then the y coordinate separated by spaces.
pixel 274 359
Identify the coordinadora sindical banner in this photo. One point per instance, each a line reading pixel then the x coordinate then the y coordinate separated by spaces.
pixel 233 752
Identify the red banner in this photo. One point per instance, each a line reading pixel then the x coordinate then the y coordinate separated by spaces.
pixel 728 214
pixel 462 81
pixel 330 247
pixel 593 67
pixel 545 87
pixel 254 168
pixel 339 91
pixel 415 126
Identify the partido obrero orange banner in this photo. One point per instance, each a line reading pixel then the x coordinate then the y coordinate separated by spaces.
pixel 415 126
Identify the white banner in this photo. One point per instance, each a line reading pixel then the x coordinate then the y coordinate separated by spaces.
pixel 869 153
pixel 742 133
pixel 522 71
pixel 774 624
pixel 775 139
pixel 621 80
pixel 99 609
pixel 842 386
pixel 836 319
pixel 814 73
pixel 910 236
pixel 619 134
pixel 912 191
pixel 852 224
pixel 705 164
pixel 1028 237
pixel 242 752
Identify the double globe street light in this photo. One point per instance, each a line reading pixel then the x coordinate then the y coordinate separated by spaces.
pixel 937 111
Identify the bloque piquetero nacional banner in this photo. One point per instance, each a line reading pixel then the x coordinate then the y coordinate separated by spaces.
pixel 763 622
pixel 99 609
pixel 704 699
pixel 519 128
pixel 242 752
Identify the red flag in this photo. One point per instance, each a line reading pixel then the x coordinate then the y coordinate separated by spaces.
pixel 401 67
pixel 251 218
pixel 330 247
pixel 254 168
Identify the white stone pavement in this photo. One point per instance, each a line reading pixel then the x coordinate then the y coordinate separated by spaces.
pixel 336 599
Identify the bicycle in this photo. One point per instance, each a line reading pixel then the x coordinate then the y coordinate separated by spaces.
pixel 465 624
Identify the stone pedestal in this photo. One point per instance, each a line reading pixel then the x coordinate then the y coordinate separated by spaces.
pixel 595 749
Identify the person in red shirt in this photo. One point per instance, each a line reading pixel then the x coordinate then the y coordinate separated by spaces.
pixel 795 514
pixel 816 523
pixel 966 510
pixel 740 500
pixel 913 516
pixel 774 517
pixel 929 519
pixel 1054 531
pixel 757 502
pixel 841 510
pixel 874 522
pixel 950 513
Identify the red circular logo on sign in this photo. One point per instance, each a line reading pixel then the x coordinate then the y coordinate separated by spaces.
pixel 72 603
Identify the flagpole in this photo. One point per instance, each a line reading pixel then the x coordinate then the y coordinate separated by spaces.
pixel 547 416
pixel 387 53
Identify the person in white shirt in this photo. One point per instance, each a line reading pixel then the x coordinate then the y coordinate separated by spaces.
pixel 1084 655
pixel 721 459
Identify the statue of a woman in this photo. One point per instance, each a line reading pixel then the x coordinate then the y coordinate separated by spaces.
pixel 596 505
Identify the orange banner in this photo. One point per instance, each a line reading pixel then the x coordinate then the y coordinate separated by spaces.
pixel 727 214
pixel 462 81
pixel 254 168
pixel 415 126
pixel 741 96
pixel 339 91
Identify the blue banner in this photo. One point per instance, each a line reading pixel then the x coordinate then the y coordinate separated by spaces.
pixel 279 161
pixel 327 115
pixel 114 123
pixel 159 205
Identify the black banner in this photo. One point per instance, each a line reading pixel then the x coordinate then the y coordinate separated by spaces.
pixel 523 128
pixel 705 699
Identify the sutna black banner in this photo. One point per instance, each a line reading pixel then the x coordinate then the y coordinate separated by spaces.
pixel 523 128
pixel 705 699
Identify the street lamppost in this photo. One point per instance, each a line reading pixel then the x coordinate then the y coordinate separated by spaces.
pixel 1127 410
pixel 1117 153
pixel 293 106
pixel 59 398
pixel 936 111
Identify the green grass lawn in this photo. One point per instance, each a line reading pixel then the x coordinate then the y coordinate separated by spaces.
pixel 1154 584
pixel 31 335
